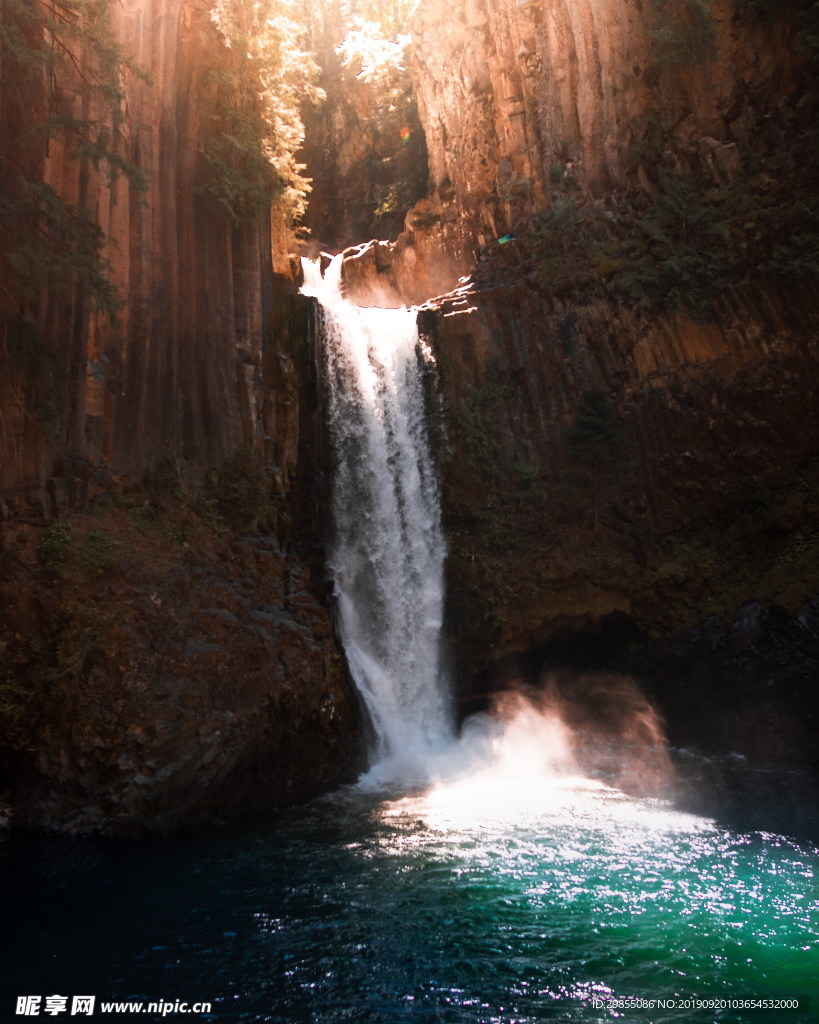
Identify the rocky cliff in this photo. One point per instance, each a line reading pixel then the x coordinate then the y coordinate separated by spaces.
pixel 190 368
pixel 157 667
pixel 526 105
pixel 517 98
pixel 157 674
pixel 364 149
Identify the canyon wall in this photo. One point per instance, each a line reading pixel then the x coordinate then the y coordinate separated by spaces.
pixel 524 104
pixel 194 366
pixel 364 147
pixel 545 90
pixel 520 99
pixel 621 208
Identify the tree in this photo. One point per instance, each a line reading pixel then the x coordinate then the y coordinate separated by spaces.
pixel 265 78
pixel 332 19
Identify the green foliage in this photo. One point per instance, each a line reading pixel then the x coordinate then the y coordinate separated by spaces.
pixel 649 141
pixel 75 44
pixel 242 492
pixel 556 240
pixel 364 49
pixel 267 76
pixel 54 546
pixel 796 257
pixel 331 18
pixel 379 56
pixel 100 553
pixel 683 31
pixel 372 54
pixel 60 244
pixel 680 254
pixel 691 237
pixel 165 483
pixel 242 178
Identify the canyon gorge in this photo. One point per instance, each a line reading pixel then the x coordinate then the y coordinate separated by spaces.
pixel 606 212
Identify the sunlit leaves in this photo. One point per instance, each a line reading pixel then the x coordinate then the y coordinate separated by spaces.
pixel 372 56
pixel 265 78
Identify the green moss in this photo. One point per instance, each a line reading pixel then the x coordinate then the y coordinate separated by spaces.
pixel 681 253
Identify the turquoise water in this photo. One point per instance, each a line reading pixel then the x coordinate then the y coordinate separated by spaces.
pixel 466 904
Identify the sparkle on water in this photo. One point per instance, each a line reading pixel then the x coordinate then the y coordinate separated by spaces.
pixel 435 907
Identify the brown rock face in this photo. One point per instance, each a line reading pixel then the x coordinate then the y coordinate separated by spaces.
pixel 608 453
pixel 517 98
pixel 160 684
pixel 660 498
pixel 523 104
pixel 191 370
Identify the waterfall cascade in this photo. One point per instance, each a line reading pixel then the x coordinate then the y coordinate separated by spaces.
pixel 387 555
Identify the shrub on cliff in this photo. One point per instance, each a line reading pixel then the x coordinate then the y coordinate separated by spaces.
pixel 679 255
pixel 54 545
pixel 796 257
pixel 242 492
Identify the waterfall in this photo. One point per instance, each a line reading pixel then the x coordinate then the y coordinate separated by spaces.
pixel 387 552
pixel 387 560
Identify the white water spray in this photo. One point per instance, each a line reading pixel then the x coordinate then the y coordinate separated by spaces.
pixel 388 551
